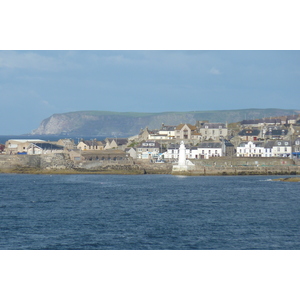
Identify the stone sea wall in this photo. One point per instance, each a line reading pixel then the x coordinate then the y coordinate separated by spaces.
pixel 59 163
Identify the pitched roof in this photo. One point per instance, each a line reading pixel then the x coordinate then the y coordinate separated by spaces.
pixel 214 125
pixel 269 144
pixel 180 126
pixel 92 142
pixel 282 143
pixel 48 146
pixel 249 132
pixel 167 128
pixel 277 132
pixel 119 141
pixel 210 145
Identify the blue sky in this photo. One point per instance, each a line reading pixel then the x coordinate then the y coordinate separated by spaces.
pixel 37 84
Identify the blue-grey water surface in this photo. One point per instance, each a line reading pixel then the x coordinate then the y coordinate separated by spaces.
pixel 148 212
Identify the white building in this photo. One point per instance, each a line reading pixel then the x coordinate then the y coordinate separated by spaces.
pixel 167 131
pixel 210 149
pixel 148 150
pixel 269 149
pixel 282 148
pixel 250 149
pixel 19 145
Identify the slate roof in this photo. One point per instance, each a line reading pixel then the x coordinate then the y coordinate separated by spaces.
pixel 269 144
pixel 228 143
pixel 282 143
pixel 119 141
pixel 210 145
pixel 257 144
pixel 92 143
pixel 180 126
pixel 249 132
pixel 167 128
pixel 214 125
pixel 48 146
pixel 277 132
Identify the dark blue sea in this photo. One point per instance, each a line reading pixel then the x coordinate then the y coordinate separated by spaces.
pixel 148 212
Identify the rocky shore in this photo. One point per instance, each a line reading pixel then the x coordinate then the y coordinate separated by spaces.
pixel 288 179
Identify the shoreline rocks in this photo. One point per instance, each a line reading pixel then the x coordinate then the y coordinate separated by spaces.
pixel 288 179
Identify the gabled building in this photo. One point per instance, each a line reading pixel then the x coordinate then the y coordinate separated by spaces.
pixel 249 134
pixel 213 131
pixel 131 152
pixel 44 148
pixel 186 132
pixel 282 148
pixel 90 145
pixel 268 152
pixel 228 148
pixel 66 143
pixel 274 132
pixel 116 143
pixel 168 131
pixel 210 149
pixel 250 149
pixel 148 150
pixel 172 152
pixel 19 145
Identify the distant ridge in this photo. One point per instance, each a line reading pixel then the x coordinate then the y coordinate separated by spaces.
pixel 107 123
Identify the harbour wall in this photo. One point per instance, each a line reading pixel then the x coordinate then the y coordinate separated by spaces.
pixel 214 166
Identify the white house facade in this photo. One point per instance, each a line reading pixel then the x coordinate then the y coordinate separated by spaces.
pixel 250 149
pixel 282 148
pixel 210 149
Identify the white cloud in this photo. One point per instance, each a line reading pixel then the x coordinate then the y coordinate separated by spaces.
pixel 214 71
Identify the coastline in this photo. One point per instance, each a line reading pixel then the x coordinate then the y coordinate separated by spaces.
pixel 145 171
pixel 222 166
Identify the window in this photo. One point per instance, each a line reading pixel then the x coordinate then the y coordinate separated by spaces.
pixel 286 143
pixel 216 151
pixel 278 149
pixel 279 143
pixel 285 149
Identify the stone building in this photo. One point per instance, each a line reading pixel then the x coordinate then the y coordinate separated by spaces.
pixel 20 145
pixel 213 131
pixel 186 132
pixel 90 145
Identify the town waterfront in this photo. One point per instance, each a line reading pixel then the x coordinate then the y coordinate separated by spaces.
pixel 148 212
